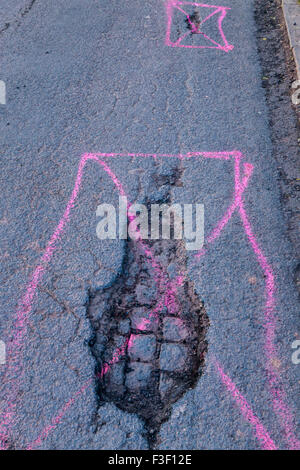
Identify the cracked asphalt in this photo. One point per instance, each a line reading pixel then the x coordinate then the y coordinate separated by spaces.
pixel 89 76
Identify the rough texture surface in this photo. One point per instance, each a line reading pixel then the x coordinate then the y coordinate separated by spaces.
pixel 89 76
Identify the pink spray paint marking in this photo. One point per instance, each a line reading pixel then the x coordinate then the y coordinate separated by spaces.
pixel 168 300
pixel 262 435
pixel 210 10
pixel 274 380
pixel 120 189
pixel 57 419
pixel 15 346
pixel 248 170
pixel 23 313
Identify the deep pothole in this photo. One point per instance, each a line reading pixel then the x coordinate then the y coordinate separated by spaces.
pixel 150 331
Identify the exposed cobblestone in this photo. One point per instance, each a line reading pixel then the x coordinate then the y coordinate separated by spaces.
pixel 142 348
pixel 139 376
pixel 173 357
pixel 142 320
pixel 174 329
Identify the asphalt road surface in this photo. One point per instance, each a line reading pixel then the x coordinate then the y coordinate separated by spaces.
pixel 95 83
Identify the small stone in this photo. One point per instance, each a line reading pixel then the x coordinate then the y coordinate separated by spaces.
pixel 166 385
pixel 114 379
pixel 174 329
pixel 124 326
pixel 173 357
pixel 145 295
pixel 141 347
pixel 172 270
pixel 115 351
pixel 139 376
pixel 128 299
pixel 144 320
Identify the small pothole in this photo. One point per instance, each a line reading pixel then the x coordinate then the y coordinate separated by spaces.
pixel 193 22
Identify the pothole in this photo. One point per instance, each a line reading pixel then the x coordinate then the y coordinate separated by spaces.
pixel 150 331
pixel 193 22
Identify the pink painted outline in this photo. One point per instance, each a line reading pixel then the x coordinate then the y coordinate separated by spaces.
pixel 171 5
pixel 25 305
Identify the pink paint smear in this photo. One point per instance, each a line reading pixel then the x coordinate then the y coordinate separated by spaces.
pixel 14 371
pixel 212 10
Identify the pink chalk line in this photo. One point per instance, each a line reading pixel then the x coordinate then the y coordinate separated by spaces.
pixel 274 380
pixel 262 435
pixel 14 350
pixel 118 185
pixel 172 5
pixel 57 419
pixel 15 346
pixel 22 315
pixel 179 281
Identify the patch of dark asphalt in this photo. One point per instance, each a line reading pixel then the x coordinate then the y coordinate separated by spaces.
pixel 279 72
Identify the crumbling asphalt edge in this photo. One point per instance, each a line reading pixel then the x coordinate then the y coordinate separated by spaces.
pixel 291 12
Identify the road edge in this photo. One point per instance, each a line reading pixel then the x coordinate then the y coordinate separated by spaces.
pixel 291 13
